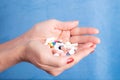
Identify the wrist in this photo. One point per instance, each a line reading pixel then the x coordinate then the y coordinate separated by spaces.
pixel 11 53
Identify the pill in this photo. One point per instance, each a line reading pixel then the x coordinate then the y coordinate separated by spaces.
pixel 62 48
pixel 67 54
pixel 72 51
pixel 56 54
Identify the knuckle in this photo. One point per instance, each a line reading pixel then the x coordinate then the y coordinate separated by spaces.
pixel 90 38
pixel 53 20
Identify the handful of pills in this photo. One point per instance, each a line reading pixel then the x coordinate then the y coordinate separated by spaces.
pixel 62 49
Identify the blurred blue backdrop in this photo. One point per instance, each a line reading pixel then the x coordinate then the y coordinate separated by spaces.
pixel 18 16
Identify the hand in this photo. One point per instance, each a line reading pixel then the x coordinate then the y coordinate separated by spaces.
pixel 41 31
pixel 30 46
pixel 42 56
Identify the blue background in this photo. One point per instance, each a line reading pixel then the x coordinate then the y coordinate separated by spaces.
pixel 18 16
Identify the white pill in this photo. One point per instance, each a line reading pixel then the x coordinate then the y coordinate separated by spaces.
pixel 72 51
pixel 75 44
pixel 57 45
pixel 56 54
pixel 66 45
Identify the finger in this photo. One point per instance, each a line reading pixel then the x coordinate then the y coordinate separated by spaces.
pixel 84 39
pixel 59 61
pixel 79 55
pixel 67 25
pixel 78 31
pixel 65 35
pixel 86 45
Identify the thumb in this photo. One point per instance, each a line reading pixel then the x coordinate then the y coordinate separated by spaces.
pixel 60 61
pixel 80 55
pixel 67 25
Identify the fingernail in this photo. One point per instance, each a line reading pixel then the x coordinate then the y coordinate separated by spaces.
pixel 70 60
pixel 90 44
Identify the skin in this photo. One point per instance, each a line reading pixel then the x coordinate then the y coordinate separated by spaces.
pixel 30 46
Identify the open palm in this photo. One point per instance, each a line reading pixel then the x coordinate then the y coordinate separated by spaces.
pixel 41 55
